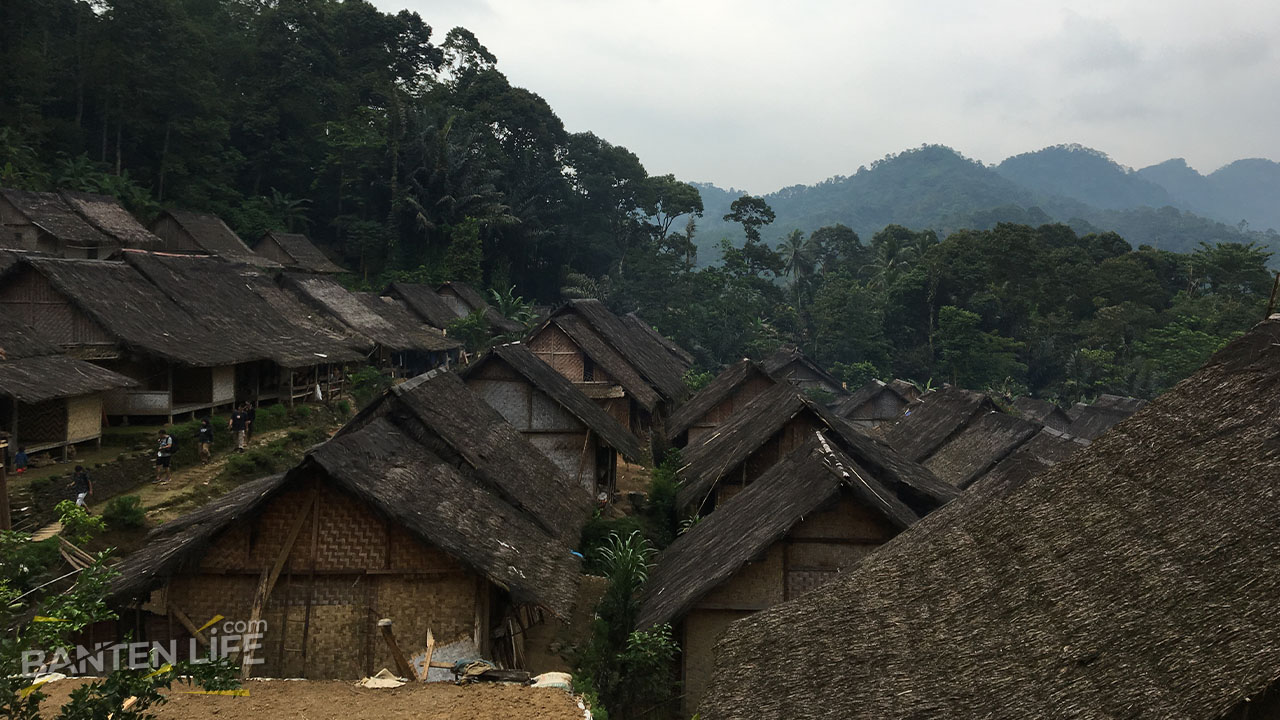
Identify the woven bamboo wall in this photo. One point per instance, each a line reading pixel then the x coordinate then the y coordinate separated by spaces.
pixel 322 624
pixel 702 629
pixel 558 350
pixel 224 384
pixel 44 422
pixel 756 585
pixel 571 453
pixel 84 418
pixel 509 397
pixel 175 238
pixel 31 299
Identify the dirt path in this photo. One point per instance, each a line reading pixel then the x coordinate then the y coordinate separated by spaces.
pixel 338 700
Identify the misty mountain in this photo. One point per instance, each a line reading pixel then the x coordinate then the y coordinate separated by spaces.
pixel 1169 206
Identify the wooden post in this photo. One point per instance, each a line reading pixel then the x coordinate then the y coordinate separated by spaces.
pixel 426 661
pixel 402 663
pixel 5 522
pixel 185 620
pixel 268 582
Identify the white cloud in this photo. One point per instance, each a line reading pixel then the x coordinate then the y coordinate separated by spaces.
pixel 761 94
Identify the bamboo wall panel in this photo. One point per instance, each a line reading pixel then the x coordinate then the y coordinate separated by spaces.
pixel 84 418
pixel 570 453
pixel 554 347
pixel 550 416
pixel 848 519
pixel 224 384
pixel 44 422
pixel 702 629
pixel 509 397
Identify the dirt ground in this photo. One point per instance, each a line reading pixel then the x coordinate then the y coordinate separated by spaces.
pixel 323 700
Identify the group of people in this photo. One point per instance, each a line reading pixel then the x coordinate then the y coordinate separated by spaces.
pixel 240 424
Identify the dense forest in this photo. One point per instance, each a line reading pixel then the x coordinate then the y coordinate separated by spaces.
pixel 410 155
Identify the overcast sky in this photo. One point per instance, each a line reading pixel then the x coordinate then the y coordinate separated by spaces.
pixel 760 94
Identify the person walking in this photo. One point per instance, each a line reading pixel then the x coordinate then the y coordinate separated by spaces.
pixel 204 439
pixel 238 424
pixel 82 485
pixel 250 414
pixel 164 457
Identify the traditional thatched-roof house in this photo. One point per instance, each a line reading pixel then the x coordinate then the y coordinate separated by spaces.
pixel 874 404
pixel 427 509
pixel 979 446
pixel 770 427
pixel 44 222
pixel 1136 579
pixel 222 297
pixel 576 434
pixel 109 313
pixel 185 231
pixel 930 423
pixel 728 392
pixel 294 251
pixel 47 400
pixel 629 372
pixel 424 302
pixel 682 356
pixel 105 214
pixel 1042 411
pixel 793 365
pixel 464 300
pixel 404 346
pixel 811 516
pixel 1091 421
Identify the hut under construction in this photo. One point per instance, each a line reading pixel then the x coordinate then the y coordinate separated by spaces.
pixel 814 514
pixel 294 251
pixel 427 509
pixel 49 401
pixel 576 434
pixel 185 231
pixel 1136 579
pixel 728 392
pixel 773 425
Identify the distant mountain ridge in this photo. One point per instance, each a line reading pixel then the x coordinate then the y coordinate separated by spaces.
pixel 1169 205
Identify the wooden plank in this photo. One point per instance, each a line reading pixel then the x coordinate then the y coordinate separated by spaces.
pixel 426 661
pixel 268 582
pixel 402 663
pixel 176 612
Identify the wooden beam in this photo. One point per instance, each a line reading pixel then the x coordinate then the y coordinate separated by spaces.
pixel 182 617
pixel 402 663
pixel 268 582
pixel 426 661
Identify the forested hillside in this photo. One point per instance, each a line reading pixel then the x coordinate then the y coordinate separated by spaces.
pixel 936 188
pixel 406 153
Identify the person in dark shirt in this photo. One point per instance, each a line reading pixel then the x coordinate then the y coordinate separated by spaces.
pixel 204 439
pixel 20 460
pixel 238 424
pixel 251 414
pixel 164 457
pixel 82 485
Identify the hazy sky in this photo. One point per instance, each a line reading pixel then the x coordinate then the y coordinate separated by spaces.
pixel 760 94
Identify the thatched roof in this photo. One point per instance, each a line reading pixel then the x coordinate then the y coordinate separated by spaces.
pixel 748 429
pixel 634 322
pixel 849 406
pixel 542 376
pixel 314 320
pixel 783 358
pixel 474 300
pixel 1041 411
pixel 715 392
pixel 51 213
pixel 710 552
pixel 602 354
pixel 978 446
pixel 106 214
pixel 369 315
pixel 1091 422
pixel 1044 450
pixel 141 317
pixel 304 254
pixel 1137 579
pixel 221 296
pixel 424 301
pixel 216 238
pixel 649 357
pixel 1119 403
pixel 439 411
pixel 434 459
pixel 31 370
pixel 926 426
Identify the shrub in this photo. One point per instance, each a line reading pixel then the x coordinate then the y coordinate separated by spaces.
pixel 270 417
pixel 344 408
pixel 125 512
pixel 302 413
pixel 77 524
pixel 597 533
pixel 695 380
pixel 367 384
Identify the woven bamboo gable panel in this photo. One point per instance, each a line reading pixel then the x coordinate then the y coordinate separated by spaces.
pixel 44 422
pixel 31 299
pixel 84 418
pixel 554 347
